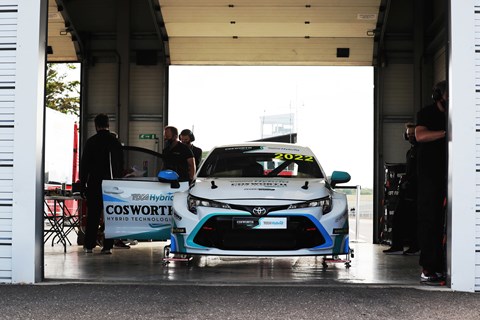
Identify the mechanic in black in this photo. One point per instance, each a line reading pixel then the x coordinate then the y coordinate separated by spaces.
pixel 102 159
pixel 432 184
pixel 409 186
pixel 187 137
pixel 177 156
pixel 405 218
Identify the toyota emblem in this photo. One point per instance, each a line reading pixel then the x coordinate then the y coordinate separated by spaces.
pixel 259 211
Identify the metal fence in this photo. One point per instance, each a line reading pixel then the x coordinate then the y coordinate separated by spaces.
pixel 360 214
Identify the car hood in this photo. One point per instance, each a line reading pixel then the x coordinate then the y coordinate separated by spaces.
pixel 239 189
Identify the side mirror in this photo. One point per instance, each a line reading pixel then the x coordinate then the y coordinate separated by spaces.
pixel 339 177
pixel 169 176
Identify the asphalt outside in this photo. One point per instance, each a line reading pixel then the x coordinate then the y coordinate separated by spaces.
pixel 224 301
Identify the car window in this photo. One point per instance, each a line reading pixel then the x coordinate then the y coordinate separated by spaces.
pixel 140 162
pixel 225 162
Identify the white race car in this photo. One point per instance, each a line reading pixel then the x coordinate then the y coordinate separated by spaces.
pixel 261 199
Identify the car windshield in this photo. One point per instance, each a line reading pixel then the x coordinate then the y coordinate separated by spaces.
pixel 254 162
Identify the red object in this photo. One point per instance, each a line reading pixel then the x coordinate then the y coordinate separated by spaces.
pixel 75 153
pixel 71 205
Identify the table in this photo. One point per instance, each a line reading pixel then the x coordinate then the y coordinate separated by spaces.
pixel 61 218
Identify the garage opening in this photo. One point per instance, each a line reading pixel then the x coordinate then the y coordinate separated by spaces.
pixel 330 109
pixel 129 55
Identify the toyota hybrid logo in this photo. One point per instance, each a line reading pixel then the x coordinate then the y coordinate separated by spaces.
pixel 259 211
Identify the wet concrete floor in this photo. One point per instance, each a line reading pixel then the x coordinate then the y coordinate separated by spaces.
pixel 144 263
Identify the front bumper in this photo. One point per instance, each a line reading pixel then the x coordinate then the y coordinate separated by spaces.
pixel 234 232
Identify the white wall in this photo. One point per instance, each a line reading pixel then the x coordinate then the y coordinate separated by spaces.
pixel 29 66
pixel 463 116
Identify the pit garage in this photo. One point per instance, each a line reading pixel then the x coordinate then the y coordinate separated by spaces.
pixel 126 47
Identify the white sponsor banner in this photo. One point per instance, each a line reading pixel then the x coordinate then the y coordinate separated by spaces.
pixel 138 209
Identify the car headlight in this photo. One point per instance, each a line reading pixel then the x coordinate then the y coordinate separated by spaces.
pixel 325 203
pixel 194 202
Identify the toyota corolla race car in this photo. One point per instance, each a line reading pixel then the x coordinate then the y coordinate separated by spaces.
pixel 261 199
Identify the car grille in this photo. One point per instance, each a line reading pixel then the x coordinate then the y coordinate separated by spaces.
pixel 219 232
pixel 250 208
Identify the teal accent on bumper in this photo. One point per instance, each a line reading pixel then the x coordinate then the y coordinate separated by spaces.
pixel 342 242
pixel 346 248
pixel 173 244
pixel 328 239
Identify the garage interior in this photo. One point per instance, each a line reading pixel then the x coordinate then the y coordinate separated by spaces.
pixel 126 46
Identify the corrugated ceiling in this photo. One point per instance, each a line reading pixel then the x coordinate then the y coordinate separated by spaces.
pixel 252 32
pixel 270 32
pixel 59 37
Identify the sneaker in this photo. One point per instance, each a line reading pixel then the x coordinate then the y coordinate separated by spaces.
pixel 132 242
pixel 86 250
pixel 432 279
pixel 120 245
pixel 411 252
pixel 106 251
pixel 393 251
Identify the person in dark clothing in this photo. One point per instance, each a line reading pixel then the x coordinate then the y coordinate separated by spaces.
pixel 177 156
pixel 187 137
pixel 409 186
pixel 102 159
pixel 405 216
pixel 432 184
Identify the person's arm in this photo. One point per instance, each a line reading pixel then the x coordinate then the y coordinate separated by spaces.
pixel 198 156
pixel 191 168
pixel 423 134
pixel 117 160
pixel 84 169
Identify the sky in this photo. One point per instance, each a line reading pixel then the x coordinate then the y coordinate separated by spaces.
pixel 332 107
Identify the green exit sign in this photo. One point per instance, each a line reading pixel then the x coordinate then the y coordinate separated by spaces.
pixel 147 136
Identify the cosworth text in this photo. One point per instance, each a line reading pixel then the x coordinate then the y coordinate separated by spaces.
pixel 150 210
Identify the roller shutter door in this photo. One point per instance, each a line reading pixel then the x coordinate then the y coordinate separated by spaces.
pixel 146 89
pixel 8 35
pixel 102 96
pixel 140 127
pixel 397 108
pixel 477 144
pixel 146 105
pixel 102 88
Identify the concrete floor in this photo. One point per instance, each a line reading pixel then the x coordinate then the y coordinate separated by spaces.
pixel 143 263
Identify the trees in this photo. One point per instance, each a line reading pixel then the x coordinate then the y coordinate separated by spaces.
pixel 61 93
